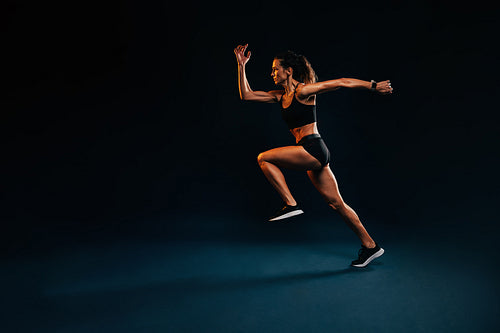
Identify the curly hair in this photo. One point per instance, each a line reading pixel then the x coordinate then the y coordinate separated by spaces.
pixel 302 69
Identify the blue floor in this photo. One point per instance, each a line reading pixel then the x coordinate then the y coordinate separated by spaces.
pixel 149 283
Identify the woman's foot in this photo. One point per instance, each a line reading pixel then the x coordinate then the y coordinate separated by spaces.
pixel 286 212
pixel 366 255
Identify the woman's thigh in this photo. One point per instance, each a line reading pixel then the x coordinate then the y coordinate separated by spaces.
pixel 291 157
pixel 326 184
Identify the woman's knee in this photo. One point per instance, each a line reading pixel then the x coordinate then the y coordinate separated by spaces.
pixel 262 158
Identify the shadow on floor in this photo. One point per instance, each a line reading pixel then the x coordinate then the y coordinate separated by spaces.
pixel 216 284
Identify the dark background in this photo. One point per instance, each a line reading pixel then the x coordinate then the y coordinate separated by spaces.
pixel 123 140
pixel 123 112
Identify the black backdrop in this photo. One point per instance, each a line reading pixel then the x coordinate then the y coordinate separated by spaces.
pixel 122 112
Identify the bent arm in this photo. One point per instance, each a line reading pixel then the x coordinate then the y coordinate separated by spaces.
pixel 247 94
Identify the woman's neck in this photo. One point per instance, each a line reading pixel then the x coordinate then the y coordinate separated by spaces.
pixel 290 86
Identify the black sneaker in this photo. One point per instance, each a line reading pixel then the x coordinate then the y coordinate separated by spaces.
pixel 366 255
pixel 286 212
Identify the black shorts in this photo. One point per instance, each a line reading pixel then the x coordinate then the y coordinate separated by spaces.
pixel 315 146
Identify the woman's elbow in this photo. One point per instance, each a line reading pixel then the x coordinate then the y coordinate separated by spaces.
pixel 247 97
pixel 343 83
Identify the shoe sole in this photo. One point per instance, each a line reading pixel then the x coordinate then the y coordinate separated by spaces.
pixel 287 215
pixel 370 259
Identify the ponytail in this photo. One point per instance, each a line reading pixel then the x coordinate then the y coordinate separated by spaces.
pixel 302 69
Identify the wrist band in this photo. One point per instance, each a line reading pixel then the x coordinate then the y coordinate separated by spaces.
pixel 374 85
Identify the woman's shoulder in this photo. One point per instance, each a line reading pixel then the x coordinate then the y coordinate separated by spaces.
pixel 309 100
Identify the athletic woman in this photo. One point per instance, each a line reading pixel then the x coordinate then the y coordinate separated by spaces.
pixel 298 109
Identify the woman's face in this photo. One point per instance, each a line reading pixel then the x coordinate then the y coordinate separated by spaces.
pixel 278 73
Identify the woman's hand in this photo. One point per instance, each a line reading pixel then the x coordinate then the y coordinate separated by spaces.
pixel 384 87
pixel 240 54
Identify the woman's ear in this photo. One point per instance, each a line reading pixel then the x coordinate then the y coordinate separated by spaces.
pixel 289 71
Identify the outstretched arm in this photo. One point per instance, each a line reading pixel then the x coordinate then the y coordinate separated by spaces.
pixel 383 87
pixel 246 93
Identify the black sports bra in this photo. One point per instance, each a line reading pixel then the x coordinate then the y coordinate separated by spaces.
pixel 298 114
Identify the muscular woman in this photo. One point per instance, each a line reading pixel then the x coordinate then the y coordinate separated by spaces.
pixel 297 96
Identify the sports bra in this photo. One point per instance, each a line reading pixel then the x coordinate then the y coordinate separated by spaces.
pixel 298 114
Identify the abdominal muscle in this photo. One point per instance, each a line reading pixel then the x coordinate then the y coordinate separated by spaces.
pixel 302 131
